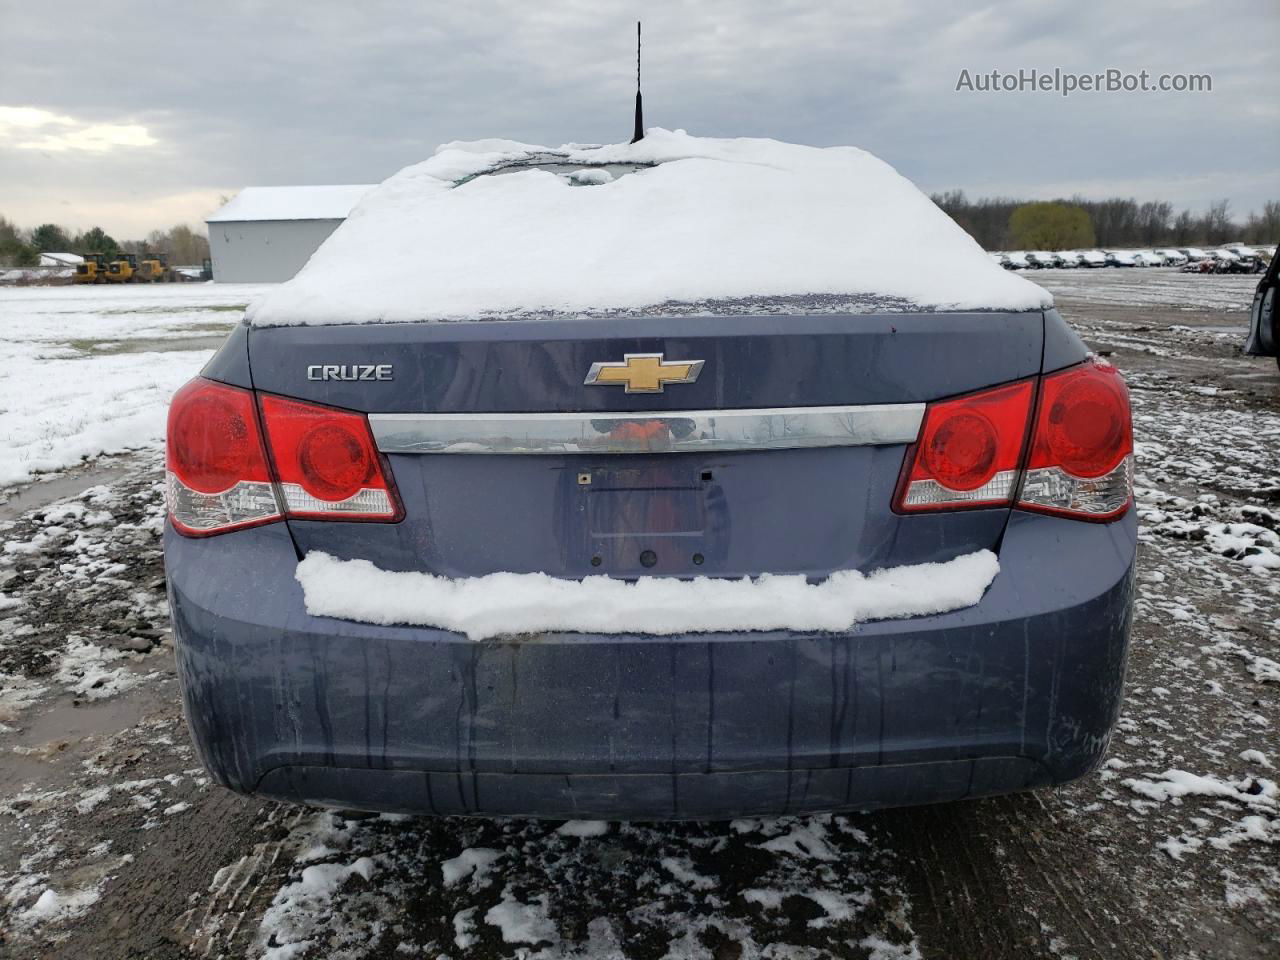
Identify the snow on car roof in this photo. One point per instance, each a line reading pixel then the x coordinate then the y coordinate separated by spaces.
pixel 292 203
pixel 695 220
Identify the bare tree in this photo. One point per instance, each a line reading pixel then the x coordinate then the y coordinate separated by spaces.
pixel 1264 227
pixel 1217 226
pixel 1184 229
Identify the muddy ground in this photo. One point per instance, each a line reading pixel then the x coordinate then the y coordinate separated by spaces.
pixel 114 844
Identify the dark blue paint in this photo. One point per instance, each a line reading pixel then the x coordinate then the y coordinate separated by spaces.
pixel 751 361
pixel 1062 346
pixel 231 363
pixel 805 511
pixel 917 710
pixel 1017 692
pixel 786 511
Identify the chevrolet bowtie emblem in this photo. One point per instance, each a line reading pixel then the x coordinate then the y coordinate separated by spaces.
pixel 644 372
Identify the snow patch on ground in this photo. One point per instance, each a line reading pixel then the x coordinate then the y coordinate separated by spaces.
pixel 1259 796
pixel 885 950
pixel 1174 784
pixel 683 870
pixel 98 551
pixel 514 603
pixel 61 864
pixel 583 828
pixel 522 922
pixel 474 862
pixel 52 905
pixel 85 670
pixel 17 693
pixel 289 926
pixel 806 838
pixel 547 896
pixel 1255 756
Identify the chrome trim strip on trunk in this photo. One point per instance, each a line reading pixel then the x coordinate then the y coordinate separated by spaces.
pixel 667 431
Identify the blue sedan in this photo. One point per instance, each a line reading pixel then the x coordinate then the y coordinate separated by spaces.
pixel 715 557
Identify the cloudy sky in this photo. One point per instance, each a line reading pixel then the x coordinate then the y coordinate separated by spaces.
pixel 138 121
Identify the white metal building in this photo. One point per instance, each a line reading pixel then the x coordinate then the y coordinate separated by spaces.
pixel 266 234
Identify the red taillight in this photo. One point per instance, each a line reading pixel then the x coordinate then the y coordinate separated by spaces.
pixel 217 478
pixel 969 451
pixel 1078 462
pixel 1081 459
pixel 326 462
pixel 323 463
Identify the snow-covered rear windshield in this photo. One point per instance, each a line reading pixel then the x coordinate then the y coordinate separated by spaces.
pixel 499 229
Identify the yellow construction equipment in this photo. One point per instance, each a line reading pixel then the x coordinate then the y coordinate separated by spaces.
pixel 153 268
pixel 93 270
pixel 123 269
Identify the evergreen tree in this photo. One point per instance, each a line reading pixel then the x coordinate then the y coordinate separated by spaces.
pixel 50 238
pixel 97 240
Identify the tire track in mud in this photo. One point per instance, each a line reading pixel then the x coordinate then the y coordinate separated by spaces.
pixel 147 910
pixel 1004 878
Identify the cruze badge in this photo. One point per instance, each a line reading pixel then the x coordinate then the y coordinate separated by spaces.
pixel 349 371
pixel 643 372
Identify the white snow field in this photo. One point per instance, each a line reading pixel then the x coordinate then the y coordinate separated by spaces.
pixel 89 370
pixel 1153 287
pixel 713 220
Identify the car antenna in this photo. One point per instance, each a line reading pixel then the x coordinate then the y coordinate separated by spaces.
pixel 639 131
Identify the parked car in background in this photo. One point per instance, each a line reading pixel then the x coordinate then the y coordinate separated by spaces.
pixel 1172 258
pixel 1148 258
pixel 1120 258
pixel 1239 259
pixel 599 545
pixel 1017 260
pixel 1043 259
pixel 1093 258
pixel 1194 254
pixel 1068 259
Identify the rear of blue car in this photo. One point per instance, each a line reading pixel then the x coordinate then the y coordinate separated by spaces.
pixel 711 446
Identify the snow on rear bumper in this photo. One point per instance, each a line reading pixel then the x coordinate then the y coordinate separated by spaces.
pixel 503 604
pixel 1018 691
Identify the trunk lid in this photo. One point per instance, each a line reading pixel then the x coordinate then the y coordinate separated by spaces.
pixel 708 511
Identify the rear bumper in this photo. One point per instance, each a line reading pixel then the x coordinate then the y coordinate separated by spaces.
pixel 1018 692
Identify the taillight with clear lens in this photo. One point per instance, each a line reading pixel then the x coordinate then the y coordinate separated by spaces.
pixel 326 462
pixel 969 451
pixel 1081 459
pixel 216 472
